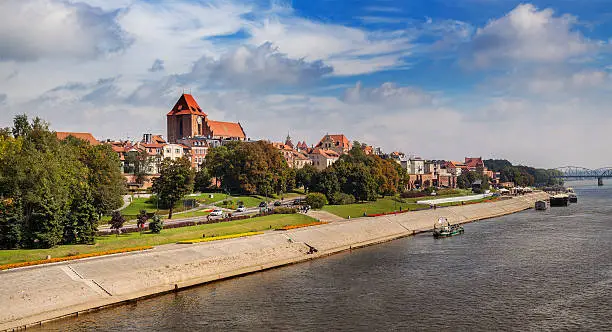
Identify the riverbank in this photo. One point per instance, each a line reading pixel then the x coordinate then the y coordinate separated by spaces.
pixel 33 295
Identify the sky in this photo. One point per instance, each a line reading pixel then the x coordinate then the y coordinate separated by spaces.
pixel 530 82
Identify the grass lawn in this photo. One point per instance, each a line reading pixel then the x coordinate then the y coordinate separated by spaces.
pixel 174 235
pixel 204 198
pixel 382 205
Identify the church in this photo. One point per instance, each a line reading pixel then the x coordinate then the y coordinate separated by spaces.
pixel 187 120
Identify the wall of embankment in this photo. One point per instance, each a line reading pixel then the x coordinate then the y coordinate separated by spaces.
pixel 33 295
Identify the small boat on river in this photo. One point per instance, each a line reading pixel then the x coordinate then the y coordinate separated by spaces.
pixel 559 200
pixel 541 205
pixel 572 198
pixel 443 228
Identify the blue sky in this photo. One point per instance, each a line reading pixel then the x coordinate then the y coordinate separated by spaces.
pixel 526 81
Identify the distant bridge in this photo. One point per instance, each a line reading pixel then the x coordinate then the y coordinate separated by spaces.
pixel 577 173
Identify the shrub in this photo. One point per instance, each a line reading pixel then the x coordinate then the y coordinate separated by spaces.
pixel 285 210
pixel 142 218
pixel 412 194
pixel 117 220
pixel 342 199
pixel 316 200
pixel 156 225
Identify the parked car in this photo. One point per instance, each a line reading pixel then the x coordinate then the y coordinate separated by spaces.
pixel 217 213
pixel 241 208
pixel 263 204
pixel 277 203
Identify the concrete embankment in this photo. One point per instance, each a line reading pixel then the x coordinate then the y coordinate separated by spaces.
pixel 33 295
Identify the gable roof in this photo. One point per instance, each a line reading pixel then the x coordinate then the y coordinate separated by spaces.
pixel 473 162
pixel 337 138
pixel 62 135
pixel 186 104
pixel 226 129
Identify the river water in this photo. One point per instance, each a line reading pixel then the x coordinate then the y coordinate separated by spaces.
pixel 528 271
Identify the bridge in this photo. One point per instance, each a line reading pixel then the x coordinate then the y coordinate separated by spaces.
pixel 578 173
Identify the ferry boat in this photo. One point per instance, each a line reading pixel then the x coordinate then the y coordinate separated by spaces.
pixel 541 205
pixel 573 198
pixel 443 228
pixel 559 200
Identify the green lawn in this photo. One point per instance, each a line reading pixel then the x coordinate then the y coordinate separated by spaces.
pixel 204 198
pixel 382 205
pixel 174 235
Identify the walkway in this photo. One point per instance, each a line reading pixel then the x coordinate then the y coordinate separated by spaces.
pixel 324 216
pixel 454 199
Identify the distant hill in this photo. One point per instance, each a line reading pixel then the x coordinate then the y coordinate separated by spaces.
pixel 523 175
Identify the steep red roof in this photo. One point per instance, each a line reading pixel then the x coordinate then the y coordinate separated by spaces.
pixel 474 162
pixel 186 105
pixel 61 135
pixel 226 129
pixel 339 138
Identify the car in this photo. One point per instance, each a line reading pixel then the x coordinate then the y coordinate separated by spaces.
pixel 298 201
pixel 241 209
pixel 277 203
pixel 217 213
pixel 263 204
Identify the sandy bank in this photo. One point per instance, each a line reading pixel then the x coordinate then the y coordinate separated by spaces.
pixel 33 295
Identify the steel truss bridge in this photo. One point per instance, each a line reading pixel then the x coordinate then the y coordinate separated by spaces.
pixel 578 173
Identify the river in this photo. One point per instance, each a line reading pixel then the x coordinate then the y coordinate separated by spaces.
pixel 528 271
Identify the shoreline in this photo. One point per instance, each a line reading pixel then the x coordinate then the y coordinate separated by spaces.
pixel 72 288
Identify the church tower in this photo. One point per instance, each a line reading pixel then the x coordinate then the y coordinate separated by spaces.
pixel 186 119
pixel 288 141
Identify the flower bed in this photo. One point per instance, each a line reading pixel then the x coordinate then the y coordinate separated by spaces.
pixel 286 228
pixel 69 258
pixel 216 238
pixel 388 213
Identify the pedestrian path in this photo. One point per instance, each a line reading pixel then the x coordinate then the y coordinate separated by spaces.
pixel 324 216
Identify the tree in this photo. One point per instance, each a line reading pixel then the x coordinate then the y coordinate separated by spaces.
pixel 316 200
pixel 117 220
pixel 139 162
pixel 305 175
pixel 174 182
pixel 142 218
pixel 10 224
pixel 203 180
pixel 156 225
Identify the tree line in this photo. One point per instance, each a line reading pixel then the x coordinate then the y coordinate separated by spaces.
pixel 259 168
pixel 51 191
pixel 524 175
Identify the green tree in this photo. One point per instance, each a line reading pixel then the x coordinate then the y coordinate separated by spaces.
pixel 174 182
pixel 156 225
pixel 203 180
pixel 316 200
pixel 10 224
pixel 305 175
pixel 138 163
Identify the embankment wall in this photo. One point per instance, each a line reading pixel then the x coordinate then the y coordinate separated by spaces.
pixel 33 295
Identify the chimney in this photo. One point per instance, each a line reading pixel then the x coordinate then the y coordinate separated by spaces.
pixel 147 138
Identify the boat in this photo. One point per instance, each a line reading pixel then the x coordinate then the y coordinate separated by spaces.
pixel 443 228
pixel 559 200
pixel 572 198
pixel 541 205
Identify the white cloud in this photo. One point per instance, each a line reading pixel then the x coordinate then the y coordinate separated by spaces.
pixel 388 93
pixel 350 51
pixel 32 29
pixel 527 34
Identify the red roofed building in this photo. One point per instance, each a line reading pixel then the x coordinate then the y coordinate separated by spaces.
pixel 62 135
pixel 338 143
pixel 474 163
pixel 321 158
pixel 186 119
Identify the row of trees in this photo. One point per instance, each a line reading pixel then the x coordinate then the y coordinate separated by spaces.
pixel 53 191
pixel 258 168
pixel 524 175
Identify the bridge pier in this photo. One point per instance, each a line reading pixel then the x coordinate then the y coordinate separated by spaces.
pixel 600 181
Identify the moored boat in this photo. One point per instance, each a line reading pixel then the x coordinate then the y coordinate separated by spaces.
pixel 559 200
pixel 573 198
pixel 443 228
pixel 541 205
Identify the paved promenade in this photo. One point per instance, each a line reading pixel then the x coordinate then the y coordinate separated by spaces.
pixel 35 294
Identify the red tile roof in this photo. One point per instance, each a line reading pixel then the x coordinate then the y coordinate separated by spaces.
pixel 186 105
pixel 474 162
pixel 339 138
pixel 226 129
pixel 61 135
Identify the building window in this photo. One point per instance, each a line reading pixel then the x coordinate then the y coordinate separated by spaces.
pixel 177 151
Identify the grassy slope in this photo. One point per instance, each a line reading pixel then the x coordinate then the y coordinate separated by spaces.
pixel 167 236
pixel 382 205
